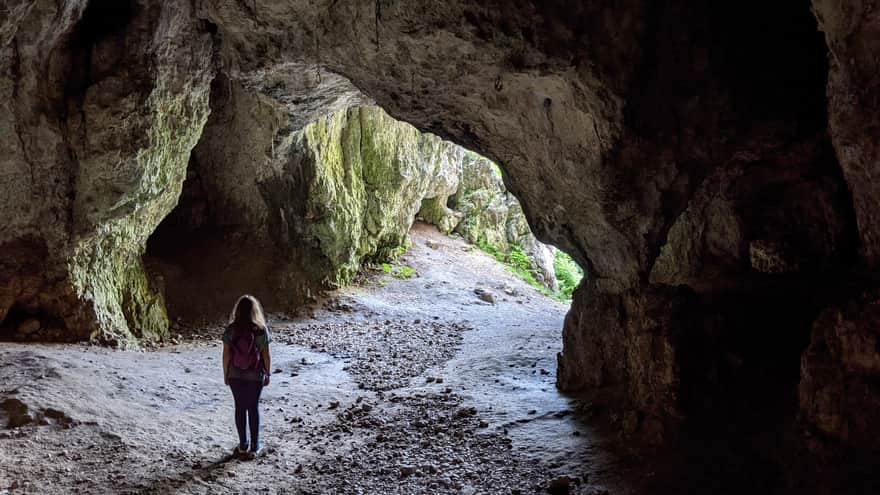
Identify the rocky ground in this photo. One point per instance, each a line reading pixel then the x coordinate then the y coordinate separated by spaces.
pixel 439 383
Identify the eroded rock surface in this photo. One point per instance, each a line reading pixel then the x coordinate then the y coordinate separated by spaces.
pixel 837 388
pixel 102 103
pixel 299 210
pixel 731 150
pixel 486 214
pixel 295 210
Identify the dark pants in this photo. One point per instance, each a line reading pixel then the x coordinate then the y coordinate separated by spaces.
pixel 247 399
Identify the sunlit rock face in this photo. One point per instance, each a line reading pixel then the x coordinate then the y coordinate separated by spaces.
pixel 297 209
pixel 302 209
pixel 482 211
pixel 713 167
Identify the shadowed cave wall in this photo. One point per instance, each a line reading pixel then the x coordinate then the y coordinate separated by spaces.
pixel 713 167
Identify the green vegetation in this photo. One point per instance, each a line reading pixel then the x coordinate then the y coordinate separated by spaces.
pixel 370 175
pixel 397 270
pixel 568 273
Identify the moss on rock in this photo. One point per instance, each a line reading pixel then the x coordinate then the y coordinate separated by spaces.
pixel 105 265
pixel 493 218
pixel 371 174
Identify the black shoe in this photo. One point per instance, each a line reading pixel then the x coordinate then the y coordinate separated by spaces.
pixel 240 450
pixel 255 452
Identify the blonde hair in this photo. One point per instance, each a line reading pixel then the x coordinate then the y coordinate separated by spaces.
pixel 248 312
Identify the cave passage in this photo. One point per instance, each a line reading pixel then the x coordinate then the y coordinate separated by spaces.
pixel 338 196
pixel 431 354
pixel 712 166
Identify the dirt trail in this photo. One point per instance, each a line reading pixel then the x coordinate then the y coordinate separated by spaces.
pixel 393 386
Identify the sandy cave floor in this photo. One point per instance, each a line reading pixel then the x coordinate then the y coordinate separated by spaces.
pixel 392 386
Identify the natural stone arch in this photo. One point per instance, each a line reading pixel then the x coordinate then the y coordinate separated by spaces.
pixel 637 152
pixel 633 132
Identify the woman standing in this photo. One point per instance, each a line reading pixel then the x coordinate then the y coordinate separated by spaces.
pixel 246 366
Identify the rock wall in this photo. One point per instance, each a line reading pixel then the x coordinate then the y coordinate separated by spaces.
pixel 708 164
pixel 371 174
pixel 838 393
pixel 297 211
pixel 852 33
pixel 102 102
pixel 482 211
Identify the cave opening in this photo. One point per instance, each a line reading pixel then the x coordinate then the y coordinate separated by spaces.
pixel 410 255
pixel 760 144
pixel 279 230
pixel 710 164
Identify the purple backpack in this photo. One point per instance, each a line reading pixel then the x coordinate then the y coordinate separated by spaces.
pixel 245 354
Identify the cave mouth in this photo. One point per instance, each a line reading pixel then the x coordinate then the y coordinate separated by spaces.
pixel 332 200
pixel 299 199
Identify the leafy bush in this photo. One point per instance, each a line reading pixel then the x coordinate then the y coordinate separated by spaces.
pixel 518 262
pixel 492 251
pixel 568 273
pixel 519 259
pixel 397 252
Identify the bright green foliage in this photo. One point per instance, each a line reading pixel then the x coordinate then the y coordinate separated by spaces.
pixel 397 270
pixel 519 258
pixel 517 262
pixel 492 250
pixel 568 273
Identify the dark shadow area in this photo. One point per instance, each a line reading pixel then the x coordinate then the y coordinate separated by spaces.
pixel 30 324
pixel 204 268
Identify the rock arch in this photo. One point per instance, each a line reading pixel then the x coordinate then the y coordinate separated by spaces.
pixel 709 166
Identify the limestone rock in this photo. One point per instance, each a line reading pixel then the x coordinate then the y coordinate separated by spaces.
pixel 17 413
pixel 29 327
pixel 854 108
pixel 93 147
pixel 629 326
pixel 770 257
pixel 371 174
pixel 837 392
pixel 485 295
pixel 492 217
